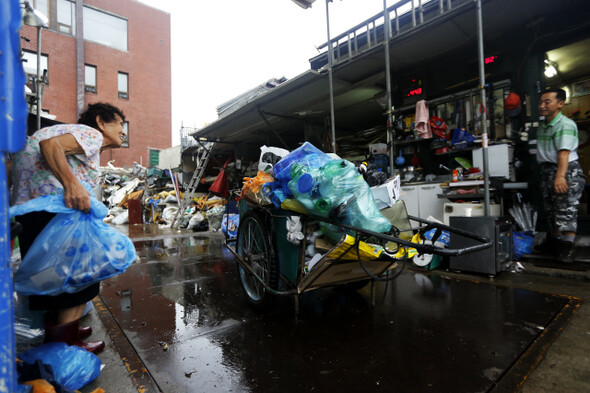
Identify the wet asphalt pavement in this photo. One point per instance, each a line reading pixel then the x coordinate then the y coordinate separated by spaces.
pixel 183 312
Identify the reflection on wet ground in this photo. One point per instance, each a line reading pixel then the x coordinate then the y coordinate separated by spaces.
pixel 182 308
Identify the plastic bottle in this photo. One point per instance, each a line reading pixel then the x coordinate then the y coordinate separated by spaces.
pixel 325 204
pixel 297 170
pixel 302 196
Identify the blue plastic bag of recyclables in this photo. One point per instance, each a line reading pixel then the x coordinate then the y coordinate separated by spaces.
pixel 74 250
pixel 330 188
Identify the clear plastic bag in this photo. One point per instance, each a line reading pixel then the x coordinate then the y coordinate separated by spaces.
pixel 73 367
pixel 307 154
pixel 338 191
pixel 74 250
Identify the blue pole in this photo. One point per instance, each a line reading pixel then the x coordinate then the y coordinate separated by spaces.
pixel 13 115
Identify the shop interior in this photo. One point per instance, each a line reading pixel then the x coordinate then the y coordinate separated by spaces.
pixel 526 50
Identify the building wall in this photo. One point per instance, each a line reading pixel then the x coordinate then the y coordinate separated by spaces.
pixel 147 61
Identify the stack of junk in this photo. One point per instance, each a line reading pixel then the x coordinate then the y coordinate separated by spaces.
pixel 140 195
pixel 305 180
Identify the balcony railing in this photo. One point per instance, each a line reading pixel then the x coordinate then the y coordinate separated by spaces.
pixel 405 16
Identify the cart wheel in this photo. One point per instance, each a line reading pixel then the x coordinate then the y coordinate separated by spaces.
pixel 254 246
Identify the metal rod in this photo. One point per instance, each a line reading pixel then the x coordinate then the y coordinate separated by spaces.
pixel 39 94
pixel 482 87
pixel 421 11
pixel 449 97
pixel 387 24
pixel 330 78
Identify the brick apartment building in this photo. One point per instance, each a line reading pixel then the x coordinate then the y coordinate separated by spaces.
pixel 115 51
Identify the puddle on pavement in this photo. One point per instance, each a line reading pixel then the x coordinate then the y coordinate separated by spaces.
pixel 174 248
pixel 183 309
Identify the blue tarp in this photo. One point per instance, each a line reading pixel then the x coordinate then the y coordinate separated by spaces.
pixel 13 115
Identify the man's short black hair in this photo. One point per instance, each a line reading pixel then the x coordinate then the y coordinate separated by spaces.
pixel 560 93
pixel 106 112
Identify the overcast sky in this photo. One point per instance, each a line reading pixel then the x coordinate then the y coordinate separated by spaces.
pixel 222 48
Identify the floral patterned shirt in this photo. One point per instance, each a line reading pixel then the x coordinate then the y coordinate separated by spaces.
pixel 32 177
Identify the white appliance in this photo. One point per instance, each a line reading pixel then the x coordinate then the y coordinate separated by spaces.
pixel 467 209
pixel 500 159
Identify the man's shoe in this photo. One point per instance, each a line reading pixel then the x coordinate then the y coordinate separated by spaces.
pixel 549 247
pixel 567 252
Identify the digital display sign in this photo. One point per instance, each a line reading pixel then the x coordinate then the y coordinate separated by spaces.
pixel 415 92
pixel 490 59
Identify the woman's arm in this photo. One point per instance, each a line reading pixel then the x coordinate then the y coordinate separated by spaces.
pixel 55 150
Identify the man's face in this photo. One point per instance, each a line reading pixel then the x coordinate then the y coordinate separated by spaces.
pixel 549 105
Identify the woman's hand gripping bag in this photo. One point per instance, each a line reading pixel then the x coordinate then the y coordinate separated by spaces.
pixel 74 250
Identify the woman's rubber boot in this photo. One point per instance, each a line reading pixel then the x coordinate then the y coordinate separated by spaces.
pixel 85 331
pixel 69 333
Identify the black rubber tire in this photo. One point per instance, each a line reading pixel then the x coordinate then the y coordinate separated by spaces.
pixel 254 245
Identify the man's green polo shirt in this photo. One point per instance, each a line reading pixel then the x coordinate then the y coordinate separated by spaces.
pixel 560 134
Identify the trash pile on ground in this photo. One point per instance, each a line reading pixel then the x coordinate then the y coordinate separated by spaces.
pixel 158 193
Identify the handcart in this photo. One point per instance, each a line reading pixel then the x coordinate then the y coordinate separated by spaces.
pixel 270 265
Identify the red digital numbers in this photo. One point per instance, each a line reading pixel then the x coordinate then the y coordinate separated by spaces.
pixel 415 92
pixel 490 59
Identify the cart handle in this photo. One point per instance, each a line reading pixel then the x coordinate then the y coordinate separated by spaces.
pixel 422 248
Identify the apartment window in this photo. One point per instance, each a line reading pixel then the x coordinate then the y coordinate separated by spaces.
pixel 66 17
pixel 126 129
pixel 105 29
pixel 90 78
pixel 41 6
pixel 123 85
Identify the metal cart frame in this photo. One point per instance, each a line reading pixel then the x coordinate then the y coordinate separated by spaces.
pixel 270 265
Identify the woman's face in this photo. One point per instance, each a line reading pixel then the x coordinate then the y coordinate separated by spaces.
pixel 112 131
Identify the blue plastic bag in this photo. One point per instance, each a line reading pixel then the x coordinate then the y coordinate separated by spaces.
pixel 522 243
pixel 461 138
pixel 73 367
pixel 307 154
pixel 74 250
pixel 230 224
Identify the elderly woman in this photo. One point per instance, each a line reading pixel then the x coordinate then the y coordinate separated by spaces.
pixel 57 160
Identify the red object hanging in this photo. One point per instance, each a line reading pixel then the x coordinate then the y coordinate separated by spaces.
pixel 220 186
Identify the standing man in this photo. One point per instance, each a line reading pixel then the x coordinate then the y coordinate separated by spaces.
pixel 562 178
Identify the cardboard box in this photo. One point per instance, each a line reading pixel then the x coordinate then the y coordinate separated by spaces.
pixel 387 193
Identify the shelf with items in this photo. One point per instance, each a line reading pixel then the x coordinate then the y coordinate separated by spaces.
pixel 460 110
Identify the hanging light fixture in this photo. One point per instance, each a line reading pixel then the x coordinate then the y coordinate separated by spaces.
pixel 550 68
pixel 33 17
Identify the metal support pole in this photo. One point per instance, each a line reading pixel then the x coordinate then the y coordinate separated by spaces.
pixel 389 131
pixel 39 82
pixel 482 87
pixel 330 80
